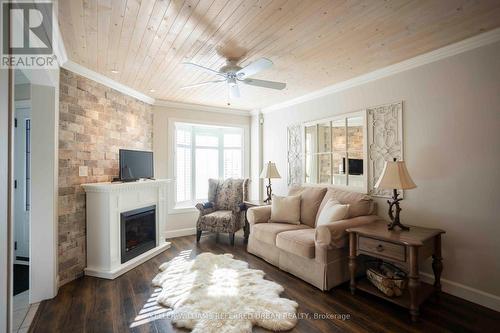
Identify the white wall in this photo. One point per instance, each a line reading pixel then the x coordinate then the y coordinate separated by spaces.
pixel 22 92
pixel 183 222
pixel 256 156
pixel 452 149
pixel 44 160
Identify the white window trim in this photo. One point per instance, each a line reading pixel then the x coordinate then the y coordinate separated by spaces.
pixel 171 151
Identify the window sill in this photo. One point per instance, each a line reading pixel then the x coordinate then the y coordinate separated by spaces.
pixel 182 210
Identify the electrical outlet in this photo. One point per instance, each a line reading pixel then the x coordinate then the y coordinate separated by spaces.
pixel 83 171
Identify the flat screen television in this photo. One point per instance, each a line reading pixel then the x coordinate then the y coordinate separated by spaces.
pixel 135 164
pixel 355 166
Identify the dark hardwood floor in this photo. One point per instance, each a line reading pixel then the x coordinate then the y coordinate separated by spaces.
pixel 98 305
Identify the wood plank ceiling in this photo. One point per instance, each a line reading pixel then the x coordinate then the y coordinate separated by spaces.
pixel 313 43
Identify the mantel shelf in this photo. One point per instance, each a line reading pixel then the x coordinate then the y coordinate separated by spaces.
pixel 123 186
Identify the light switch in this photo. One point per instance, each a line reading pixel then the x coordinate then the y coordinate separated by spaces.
pixel 83 171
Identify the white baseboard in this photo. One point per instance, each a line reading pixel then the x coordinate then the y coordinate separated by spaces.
pixel 470 294
pixel 180 232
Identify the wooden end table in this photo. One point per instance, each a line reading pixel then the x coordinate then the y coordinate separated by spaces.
pixel 405 249
pixel 250 204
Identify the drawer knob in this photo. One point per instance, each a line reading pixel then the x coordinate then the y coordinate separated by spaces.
pixel 380 248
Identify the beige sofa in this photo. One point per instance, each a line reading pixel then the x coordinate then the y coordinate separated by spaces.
pixel 316 255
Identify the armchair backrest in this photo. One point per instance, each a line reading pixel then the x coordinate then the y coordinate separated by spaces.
pixel 227 194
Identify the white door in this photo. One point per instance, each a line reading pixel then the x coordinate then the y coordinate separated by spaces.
pixel 22 166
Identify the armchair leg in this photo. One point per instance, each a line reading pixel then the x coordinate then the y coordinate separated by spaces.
pixel 231 238
pixel 198 235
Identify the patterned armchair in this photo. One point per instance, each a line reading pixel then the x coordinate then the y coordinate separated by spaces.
pixel 224 211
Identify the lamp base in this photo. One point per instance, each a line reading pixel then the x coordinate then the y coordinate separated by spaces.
pixel 394 203
pixel 394 224
pixel 269 192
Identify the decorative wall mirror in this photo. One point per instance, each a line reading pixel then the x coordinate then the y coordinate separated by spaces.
pixel 348 150
pixel 335 151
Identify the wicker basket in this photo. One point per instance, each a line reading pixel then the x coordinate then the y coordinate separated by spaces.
pixel 386 277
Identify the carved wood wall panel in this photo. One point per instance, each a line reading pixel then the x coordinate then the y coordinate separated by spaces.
pixel 385 141
pixel 294 158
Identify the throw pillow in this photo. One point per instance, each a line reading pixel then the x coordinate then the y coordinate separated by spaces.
pixel 333 211
pixel 285 209
pixel 310 199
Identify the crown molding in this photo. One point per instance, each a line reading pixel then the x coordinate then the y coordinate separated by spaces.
pixel 199 107
pixel 90 74
pixel 423 59
pixel 255 112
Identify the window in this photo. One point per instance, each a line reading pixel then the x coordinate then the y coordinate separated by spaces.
pixel 335 151
pixel 203 152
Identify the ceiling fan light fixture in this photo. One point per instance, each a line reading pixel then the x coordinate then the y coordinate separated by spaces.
pixel 232 73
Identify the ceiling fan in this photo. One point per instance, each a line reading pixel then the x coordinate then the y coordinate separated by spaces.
pixel 232 74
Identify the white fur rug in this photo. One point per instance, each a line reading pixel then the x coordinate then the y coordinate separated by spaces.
pixel 216 293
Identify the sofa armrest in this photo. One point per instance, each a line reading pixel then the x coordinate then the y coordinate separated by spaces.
pixel 333 235
pixel 260 214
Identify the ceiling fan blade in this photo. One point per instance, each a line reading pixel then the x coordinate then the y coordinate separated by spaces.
pixel 203 67
pixel 265 84
pixel 201 84
pixel 254 67
pixel 234 91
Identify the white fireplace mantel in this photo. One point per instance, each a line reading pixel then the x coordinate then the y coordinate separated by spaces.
pixel 105 203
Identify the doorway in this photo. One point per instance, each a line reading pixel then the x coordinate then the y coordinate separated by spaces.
pixel 22 196
pixel 42 98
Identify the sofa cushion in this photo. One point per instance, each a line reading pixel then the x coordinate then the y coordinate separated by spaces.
pixel 221 214
pixel 311 198
pixel 359 204
pixel 286 209
pixel 267 232
pixel 299 242
pixel 218 221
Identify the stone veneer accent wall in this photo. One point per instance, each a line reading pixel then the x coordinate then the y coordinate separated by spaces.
pixel 94 123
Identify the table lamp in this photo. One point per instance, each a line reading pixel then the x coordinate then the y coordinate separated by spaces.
pixel 269 171
pixel 395 177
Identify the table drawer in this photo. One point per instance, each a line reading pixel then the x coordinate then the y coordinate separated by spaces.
pixel 381 248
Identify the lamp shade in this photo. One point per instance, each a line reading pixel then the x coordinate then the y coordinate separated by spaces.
pixel 270 171
pixel 395 176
